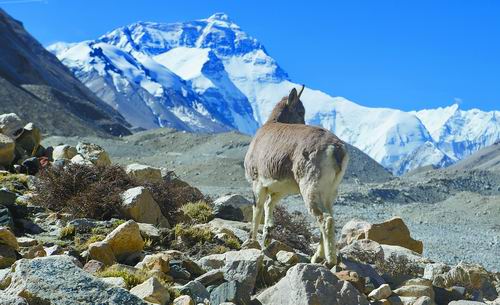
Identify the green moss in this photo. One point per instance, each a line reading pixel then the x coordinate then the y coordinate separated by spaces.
pixel 232 242
pixel 14 182
pixel 82 243
pixel 199 212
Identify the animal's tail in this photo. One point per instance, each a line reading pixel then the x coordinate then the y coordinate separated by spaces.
pixel 341 157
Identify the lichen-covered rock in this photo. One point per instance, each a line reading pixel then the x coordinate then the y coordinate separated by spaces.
pixel 93 153
pixel 212 277
pixel 196 290
pixel 138 204
pixel 157 261
pixel 115 281
pixel 311 284
pixel 287 258
pixel 143 173
pixel 57 280
pixel 94 266
pixel 183 300
pixel 8 238
pixel 152 291
pixel 8 256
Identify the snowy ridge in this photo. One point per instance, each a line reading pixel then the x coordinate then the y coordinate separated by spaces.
pixel 209 75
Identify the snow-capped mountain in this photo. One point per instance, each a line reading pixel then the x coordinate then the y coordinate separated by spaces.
pixel 223 78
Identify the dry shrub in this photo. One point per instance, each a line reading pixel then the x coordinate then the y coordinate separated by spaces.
pixel 82 190
pixel 94 191
pixel 292 229
pixel 199 212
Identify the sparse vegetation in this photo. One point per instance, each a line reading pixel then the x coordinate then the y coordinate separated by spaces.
pixel 193 235
pixel 67 232
pixel 396 265
pixel 14 182
pixel 94 191
pixel 293 229
pixel 131 278
pixel 198 212
pixel 232 242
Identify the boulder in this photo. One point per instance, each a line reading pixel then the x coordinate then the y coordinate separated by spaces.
pixel 232 291
pixel 240 229
pixel 8 256
pixel 233 207
pixel 11 125
pixel 94 266
pixel 152 291
pixel 311 284
pixel 212 277
pixel 57 280
pixel 149 231
pixel 139 205
pixel 391 232
pixel 29 141
pixel 102 252
pixel 196 290
pixel 183 300
pixel 8 238
pixel 382 292
pixel 287 258
pixel 242 266
pixel 125 239
pixel 157 261
pixel 416 288
pixel 143 173
pixel 276 246
pixel 7 150
pixel 64 152
pixel 364 250
pixel 79 159
pixel 93 153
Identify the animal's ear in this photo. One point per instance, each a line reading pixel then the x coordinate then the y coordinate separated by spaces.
pixel 292 97
pixel 301 90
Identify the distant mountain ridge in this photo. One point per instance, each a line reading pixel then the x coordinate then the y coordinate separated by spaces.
pixel 225 79
pixel 35 85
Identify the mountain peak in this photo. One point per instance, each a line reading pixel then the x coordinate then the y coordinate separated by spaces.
pixel 219 17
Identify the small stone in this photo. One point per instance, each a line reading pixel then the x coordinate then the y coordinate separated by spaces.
pixel 382 292
pixel 183 300
pixel 353 278
pixel 115 281
pixel 35 251
pixel 274 247
pixel 158 261
pixel 7 150
pixel 54 250
pixel 287 258
pixel 233 207
pixel 251 244
pixel 152 291
pixel 7 198
pixel 425 300
pixel 93 266
pixel 11 125
pixel 232 291
pixel 26 241
pixel 79 159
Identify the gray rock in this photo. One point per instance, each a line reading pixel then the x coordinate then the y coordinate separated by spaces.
pixel 143 173
pixel 232 291
pixel 152 291
pixel 93 153
pixel 363 270
pixel 233 207
pixel 211 277
pixel 139 205
pixel 463 302
pixel 196 290
pixel 7 198
pixel 63 152
pixel 364 250
pixel 6 219
pixel 242 266
pixel 115 281
pixel 11 125
pixel 57 280
pixel 311 284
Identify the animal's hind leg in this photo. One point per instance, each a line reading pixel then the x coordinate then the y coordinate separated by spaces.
pixel 260 196
pixel 269 206
pixel 310 194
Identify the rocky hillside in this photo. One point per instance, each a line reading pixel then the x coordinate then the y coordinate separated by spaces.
pixel 34 84
pixel 487 158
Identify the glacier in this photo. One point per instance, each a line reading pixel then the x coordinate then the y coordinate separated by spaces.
pixel 209 75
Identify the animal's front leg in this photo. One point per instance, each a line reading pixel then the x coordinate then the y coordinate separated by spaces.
pixel 268 217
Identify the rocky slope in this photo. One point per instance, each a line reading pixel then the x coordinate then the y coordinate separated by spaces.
pixel 36 85
pixel 233 80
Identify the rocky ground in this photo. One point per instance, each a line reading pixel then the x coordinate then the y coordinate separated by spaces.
pixel 446 209
pixel 77 229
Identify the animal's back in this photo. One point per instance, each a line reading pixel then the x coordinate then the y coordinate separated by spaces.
pixel 278 150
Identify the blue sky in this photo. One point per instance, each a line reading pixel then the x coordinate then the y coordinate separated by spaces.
pixel 400 54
